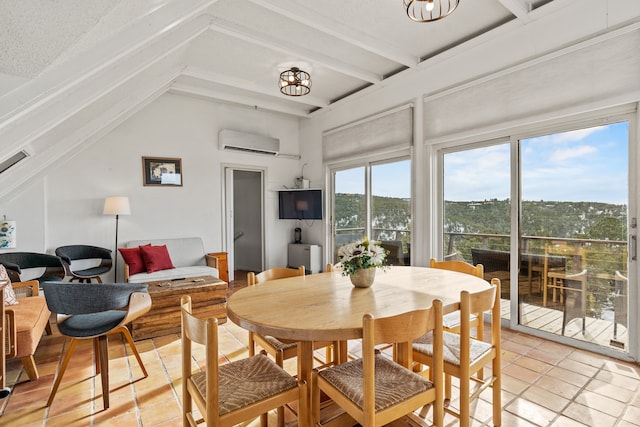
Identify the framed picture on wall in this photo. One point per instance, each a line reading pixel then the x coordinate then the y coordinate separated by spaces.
pixel 161 171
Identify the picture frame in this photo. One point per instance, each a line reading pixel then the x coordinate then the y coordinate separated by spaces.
pixel 161 171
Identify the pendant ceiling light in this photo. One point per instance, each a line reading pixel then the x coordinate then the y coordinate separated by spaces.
pixel 429 10
pixel 295 82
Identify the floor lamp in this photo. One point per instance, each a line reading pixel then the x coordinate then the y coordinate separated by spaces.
pixel 117 205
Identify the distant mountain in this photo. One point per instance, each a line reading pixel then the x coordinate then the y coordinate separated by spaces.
pixel 588 220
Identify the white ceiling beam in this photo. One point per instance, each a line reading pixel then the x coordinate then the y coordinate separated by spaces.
pixel 340 31
pixel 107 53
pixel 248 101
pixel 213 77
pixel 519 8
pixel 70 98
pixel 285 46
pixel 87 133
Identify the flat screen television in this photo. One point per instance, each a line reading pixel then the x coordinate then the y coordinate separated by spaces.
pixel 300 204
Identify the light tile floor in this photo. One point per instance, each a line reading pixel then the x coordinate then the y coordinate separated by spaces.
pixel 544 384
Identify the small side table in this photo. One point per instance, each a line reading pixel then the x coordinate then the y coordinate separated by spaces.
pixel 223 265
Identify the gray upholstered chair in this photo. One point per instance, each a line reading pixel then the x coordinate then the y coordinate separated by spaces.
pixel 94 311
pixel 92 261
pixel 17 263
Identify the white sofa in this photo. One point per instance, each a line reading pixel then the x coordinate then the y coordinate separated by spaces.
pixel 187 255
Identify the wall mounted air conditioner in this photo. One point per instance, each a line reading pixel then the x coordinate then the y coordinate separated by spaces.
pixel 248 142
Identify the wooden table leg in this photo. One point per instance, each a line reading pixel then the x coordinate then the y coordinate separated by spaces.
pixel 305 366
pixel 403 354
pixel 343 351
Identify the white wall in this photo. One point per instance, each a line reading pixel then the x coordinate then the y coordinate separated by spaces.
pixel 65 205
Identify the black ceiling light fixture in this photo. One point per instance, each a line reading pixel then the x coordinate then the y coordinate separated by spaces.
pixel 295 82
pixel 429 10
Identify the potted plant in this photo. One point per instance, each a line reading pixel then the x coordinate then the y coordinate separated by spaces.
pixel 360 259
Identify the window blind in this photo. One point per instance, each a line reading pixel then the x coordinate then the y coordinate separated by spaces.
pixel 391 129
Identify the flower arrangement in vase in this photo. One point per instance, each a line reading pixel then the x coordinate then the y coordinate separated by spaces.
pixel 360 259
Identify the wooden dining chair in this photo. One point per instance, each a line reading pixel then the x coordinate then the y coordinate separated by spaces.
pixel 376 390
pixel 465 356
pixel 451 321
pixel 280 349
pixel 333 267
pixel 232 393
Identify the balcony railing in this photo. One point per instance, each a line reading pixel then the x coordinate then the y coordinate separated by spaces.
pixel 601 258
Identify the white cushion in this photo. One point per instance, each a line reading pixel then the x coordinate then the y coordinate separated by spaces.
pixel 174 273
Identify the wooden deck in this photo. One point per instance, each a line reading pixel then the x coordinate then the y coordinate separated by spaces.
pixel 598 331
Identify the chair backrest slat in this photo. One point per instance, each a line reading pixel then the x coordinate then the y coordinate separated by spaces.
pixel 274 274
pixel 459 266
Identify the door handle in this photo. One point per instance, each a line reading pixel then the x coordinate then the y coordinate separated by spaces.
pixel 634 247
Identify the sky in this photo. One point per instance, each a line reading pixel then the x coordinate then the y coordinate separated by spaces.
pixel 589 164
pixel 583 165
pixel 388 179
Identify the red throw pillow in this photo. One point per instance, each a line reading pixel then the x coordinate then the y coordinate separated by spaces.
pixel 156 258
pixel 133 258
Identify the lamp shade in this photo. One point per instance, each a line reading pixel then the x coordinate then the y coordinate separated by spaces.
pixel 117 205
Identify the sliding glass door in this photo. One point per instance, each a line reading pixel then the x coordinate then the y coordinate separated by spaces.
pixel 568 275
pixel 575 188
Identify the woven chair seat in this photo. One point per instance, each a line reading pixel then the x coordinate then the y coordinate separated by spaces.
pixel 245 382
pixel 279 345
pixel 394 383
pixel 424 345
pixel 452 320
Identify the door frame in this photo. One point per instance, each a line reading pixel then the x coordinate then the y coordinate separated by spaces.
pixel 228 210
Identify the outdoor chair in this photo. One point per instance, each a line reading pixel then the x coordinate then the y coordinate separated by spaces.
pixel 621 297
pixel 573 291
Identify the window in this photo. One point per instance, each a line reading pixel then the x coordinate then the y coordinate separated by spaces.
pixel 374 200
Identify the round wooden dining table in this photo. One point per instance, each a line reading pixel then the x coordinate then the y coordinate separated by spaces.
pixel 327 307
